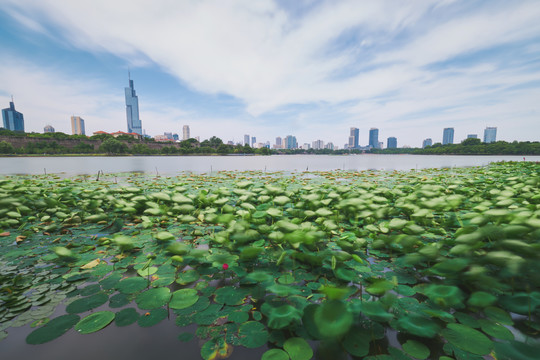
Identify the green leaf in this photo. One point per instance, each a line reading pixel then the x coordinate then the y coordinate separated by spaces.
pixel 298 349
pixel 252 334
pixel 183 298
pixel 467 339
pixel 275 354
pixel 132 285
pixel 152 317
pixel 416 349
pixel 87 303
pixel 126 317
pixel 153 298
pixel 94 322
pixel 53 329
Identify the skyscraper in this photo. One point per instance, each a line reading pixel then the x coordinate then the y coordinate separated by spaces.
pixel 253 140
pixel 246 139
pixel 278 143
pixel 13 120
pixel 134 124
pixel 427 142
pixel 290 142
pixel 353 138
pixel 490 134
pixel 77 126
pixel 448 136
pixel 391 143
pixel 374 138
pixel 48 129
pixel 318 144
pixel 185 132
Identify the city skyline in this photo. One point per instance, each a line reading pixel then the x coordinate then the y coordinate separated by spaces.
pixel 307 68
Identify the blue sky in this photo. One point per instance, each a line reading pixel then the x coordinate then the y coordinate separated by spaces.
pixel 272 68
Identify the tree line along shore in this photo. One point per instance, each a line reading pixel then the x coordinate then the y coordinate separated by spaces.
pixel 16 143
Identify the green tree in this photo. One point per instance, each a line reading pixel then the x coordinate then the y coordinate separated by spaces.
pixel 6 148
pixel 113 146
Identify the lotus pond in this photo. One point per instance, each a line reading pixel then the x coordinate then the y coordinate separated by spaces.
pixel 437 264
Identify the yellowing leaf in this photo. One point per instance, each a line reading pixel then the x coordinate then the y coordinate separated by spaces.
pixel 91 264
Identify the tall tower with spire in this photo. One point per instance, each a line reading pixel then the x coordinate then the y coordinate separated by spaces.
pixel 134 124
pixel 13 120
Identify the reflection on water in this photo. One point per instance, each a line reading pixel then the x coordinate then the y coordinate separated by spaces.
pixel 173 165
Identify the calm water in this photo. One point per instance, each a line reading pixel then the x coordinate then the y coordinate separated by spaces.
pixel 172 165
pixel 160 341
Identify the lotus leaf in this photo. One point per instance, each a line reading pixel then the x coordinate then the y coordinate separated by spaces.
pixel 332 319
pixel 416 349
pixel 153 298
pixel 132 285
pixel 94 322
pixel 298 349
pixel 252 334
pixel 53 329
pixel 467 339
pixel 183 298
pixel 87 303
pixel 152 317
pixel 126 317
pixel 275 354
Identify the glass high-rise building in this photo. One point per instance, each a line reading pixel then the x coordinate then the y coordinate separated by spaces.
pixel 490 134
pixel 279 143
pixel 77 126
pixel 253 140
pixel 246 139
pixel 185 132
pixel 353 138
pixel 290 142
pixel 13 120
pixel 391 143
pixel 427 142
pixel 374 138
pixel 472 136
pixel 448 136
pixel 48 129
pixel 134 124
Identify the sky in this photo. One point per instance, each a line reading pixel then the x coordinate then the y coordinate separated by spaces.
pixel 270 68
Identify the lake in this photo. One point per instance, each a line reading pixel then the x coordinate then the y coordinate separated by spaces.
pixel 172 165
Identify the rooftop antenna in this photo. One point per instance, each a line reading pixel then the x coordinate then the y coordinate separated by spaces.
pixel 11 98
pixel 129 74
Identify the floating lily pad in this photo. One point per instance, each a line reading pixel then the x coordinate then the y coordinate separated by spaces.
pixel 118 300
pixel 216 348
pixel 252 334
pixel 53 329
pixel 183 298
pixel 298 349
pixel 126 317
pixel 87 303
pixel 153 298
pixel 275 354
pixel 94 322
pixel 356 342
pixel 152 317
pixel 416 349
pixel 467 339
pixel 132 285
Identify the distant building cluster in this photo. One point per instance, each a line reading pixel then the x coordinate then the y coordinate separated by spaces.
pixel 490 135
pixel 14 120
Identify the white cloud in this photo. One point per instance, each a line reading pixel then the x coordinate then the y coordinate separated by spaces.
pixel 270 58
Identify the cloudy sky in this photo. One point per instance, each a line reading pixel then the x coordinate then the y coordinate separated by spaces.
pixel 271 68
